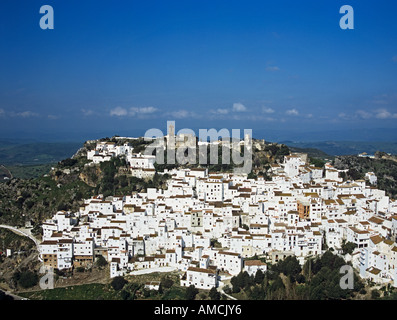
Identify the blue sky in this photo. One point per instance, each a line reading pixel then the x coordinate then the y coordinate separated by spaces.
pixel 284 69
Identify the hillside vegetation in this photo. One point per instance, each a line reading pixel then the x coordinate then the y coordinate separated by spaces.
pixel 384 169
pixel 318 279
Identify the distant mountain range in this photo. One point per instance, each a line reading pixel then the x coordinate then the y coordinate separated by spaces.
pixel 31 152
pixel 335 148
pixel 20 152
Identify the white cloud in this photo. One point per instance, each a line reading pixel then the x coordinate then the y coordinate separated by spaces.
pixel 272 68
pixel 267 110
pixel 381 114
pixel 258 117
pixel 394 58
pixel 149 110
pixel 119 112
pixel 380 101
pixel 342 115
pixel 292 112
pixel 53 117
pixel 182 114
pixel 143 110
pixel 239 107
pixel 363 114
pixel 21 114
pixel 87 112
pixel 237 117
pixel 25 114
pixel 269 119
pixel 131 112
pixel 385 114
pixel 220 111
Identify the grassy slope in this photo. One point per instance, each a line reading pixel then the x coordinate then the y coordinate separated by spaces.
pixel 30 171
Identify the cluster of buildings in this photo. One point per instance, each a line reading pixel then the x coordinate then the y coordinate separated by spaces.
pixel 140 165
pixel 210 225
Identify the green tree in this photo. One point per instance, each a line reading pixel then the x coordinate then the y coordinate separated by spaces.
pixel 348 247
pixel 277 284
pixel 252 175
pixel 259 276
pixel 354 174
pixel 300 278
pixel 118 283
pixel 28 279
pixel 214 294
pixel 317 162
pixel 241 281
pixel 100 261
pixel 236 285
pixel 257 293
pixel 124 294
pixel 289 266
pixel 67 163
pixel 375 294
pixel 166 282
pixel 325 282
pixel 191 292
pixel 160 290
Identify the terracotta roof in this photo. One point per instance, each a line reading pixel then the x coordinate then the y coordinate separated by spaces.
pixel 254 263
pixel 202 270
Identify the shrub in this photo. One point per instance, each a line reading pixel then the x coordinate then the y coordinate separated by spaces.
pixel 125 295
pixel 191 292
pixel 375 294
pixel 67 162
pixel 28 279
pixel 363 291
pixel 214 294
pixel 118 283
pixel 100 261
pixel 167 283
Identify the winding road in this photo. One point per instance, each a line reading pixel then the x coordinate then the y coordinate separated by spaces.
pixel 23 232
pixel 14 296
pixel 227 295
pixel 26 233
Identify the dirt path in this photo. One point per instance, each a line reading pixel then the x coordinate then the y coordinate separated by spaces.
pixel 8 172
